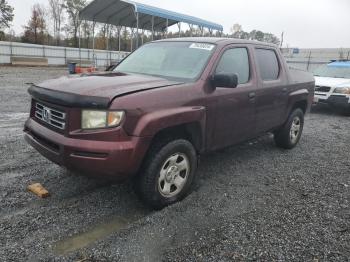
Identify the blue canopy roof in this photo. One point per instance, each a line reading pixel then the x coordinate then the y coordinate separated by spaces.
pixel 123 13
pixel 155 11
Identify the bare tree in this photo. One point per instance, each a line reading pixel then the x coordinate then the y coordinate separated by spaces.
pixel 87 28
pixel 36 28
pixel 73 8
pixel 56 12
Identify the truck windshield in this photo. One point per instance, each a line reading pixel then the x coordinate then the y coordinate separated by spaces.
pixel 178 60
pixel 332 71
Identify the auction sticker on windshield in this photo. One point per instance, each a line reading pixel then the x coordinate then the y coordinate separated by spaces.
pixel 203 46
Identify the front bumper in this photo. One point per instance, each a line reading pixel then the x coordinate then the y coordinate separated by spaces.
pixel 112 159
pixel 333 100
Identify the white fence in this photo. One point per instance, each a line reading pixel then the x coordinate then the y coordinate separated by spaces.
pixel 57 55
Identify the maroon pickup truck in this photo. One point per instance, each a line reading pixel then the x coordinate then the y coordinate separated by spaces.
pixel 163 106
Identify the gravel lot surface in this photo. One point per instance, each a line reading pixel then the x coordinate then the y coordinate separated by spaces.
pixel 249 202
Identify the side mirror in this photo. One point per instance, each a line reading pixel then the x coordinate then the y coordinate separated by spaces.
pixel 224 80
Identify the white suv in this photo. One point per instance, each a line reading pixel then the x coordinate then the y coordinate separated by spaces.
pixel 332 85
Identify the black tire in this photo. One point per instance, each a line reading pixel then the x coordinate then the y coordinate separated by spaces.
pixel 147 183
pixel 283 136
pixel 342 111
pixel 347 112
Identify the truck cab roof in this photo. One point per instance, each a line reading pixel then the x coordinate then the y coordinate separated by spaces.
pixel 216 40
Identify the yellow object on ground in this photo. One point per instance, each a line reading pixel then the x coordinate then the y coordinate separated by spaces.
pixel 39 190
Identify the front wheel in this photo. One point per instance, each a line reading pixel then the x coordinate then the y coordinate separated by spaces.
pixel 289 134
pixel 343 111
pixel 167 174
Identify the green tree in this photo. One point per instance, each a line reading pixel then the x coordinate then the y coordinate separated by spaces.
pixel 238 32
pixel 6 17
pixel 271 38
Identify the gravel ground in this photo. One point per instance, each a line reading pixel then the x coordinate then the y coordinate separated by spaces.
pixel 249 202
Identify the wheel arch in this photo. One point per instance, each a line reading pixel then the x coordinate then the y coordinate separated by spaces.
pixel 298 99
pixel 184 122
pixel 190 131
pixel 302 104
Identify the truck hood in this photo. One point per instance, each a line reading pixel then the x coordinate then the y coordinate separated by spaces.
pixel 332 82
pixel 94 90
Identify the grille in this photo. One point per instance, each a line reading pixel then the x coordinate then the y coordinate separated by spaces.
pixel 51 116
pixel 322 89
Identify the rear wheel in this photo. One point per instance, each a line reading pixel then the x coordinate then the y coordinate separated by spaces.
pixel 289 134
pixel 167 173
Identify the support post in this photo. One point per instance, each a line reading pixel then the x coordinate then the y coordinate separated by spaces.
pixel 107 37
pixel 108 42
pixel 11 49
pixel 131 39
pixel 79 32
pixel 119 28
pixel 142 36
pixel 152 27
pixel 166 29
pixel 93 43
pixel 179 25
pixel 191 29
pixel 137 30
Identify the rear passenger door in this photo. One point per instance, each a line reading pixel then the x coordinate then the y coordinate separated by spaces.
pixel 272 94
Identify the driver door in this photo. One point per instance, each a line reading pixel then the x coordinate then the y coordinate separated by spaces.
pixel 235 107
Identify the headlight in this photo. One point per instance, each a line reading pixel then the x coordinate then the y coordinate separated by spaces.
pixel 342 90
pixel 93 119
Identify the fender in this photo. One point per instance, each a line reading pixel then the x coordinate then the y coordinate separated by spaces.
pixel 153 122
pixel 297 96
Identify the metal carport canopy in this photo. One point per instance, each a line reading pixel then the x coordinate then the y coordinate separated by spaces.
pixel 135 15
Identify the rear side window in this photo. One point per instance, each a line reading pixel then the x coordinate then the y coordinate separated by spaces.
pixel 268 64
pixel 235 61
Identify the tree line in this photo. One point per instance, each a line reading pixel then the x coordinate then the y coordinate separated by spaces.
pixel 58 23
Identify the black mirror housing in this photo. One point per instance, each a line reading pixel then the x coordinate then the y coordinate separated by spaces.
pixel 225 80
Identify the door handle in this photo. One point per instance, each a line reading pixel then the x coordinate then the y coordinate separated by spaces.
pixel 284 89
pixel 251 95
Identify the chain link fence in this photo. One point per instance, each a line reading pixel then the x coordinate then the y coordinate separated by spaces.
pixel 310 59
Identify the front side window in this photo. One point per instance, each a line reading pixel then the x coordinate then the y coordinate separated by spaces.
pixel 268 64
pixel 235 61
pixel 179 60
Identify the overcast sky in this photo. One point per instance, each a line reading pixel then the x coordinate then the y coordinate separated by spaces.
pixel 306 23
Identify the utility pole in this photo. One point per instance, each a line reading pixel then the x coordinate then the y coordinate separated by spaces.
pixel 282 36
